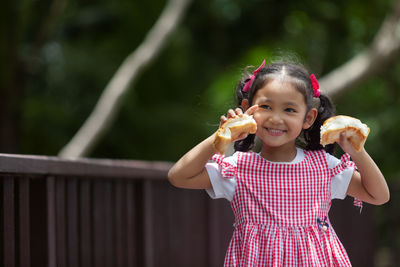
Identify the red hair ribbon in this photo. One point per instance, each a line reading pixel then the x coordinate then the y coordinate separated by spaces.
pixel 248 84
pixel 315 85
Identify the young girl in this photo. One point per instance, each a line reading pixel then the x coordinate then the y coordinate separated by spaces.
pixel 282 195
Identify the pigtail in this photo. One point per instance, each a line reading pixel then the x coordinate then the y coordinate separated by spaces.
pixel 312 137
pixel 240 95
pixel 246 144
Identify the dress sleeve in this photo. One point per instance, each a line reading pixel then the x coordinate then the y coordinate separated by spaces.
pixel 340 177
pixel 341 172
pixel 222 173
pixel 227 165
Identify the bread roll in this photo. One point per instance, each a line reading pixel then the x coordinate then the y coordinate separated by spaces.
pixel 357 131
pixel 232 129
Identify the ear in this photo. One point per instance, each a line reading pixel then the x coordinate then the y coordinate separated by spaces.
pixel 310 118
pixel 245 104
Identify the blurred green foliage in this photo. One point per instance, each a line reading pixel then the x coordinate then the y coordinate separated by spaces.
pixel 178 100
pixel 180 97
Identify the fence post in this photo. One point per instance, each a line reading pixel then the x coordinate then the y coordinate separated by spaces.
pixel 24 222
pixel 51 222
pixel 8 222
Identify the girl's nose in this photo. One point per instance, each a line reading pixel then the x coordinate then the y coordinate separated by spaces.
pixel 275 118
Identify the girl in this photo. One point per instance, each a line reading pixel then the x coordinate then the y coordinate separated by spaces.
pixel 282 195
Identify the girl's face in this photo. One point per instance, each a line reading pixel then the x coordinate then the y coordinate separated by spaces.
pixel 282 114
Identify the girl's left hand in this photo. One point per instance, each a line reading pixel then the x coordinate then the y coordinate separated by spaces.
pixel 345 144
pixel 367 183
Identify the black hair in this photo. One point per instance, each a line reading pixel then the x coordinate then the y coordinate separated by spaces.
pixel 300 78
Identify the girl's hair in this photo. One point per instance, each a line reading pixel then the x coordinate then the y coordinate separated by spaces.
pixel 299 77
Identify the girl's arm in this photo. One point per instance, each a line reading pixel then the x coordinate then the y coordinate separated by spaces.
pixel 368 183
pixel 189 171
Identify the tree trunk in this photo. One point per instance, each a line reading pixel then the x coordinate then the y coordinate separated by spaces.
pixel 109 103
pixel 384 50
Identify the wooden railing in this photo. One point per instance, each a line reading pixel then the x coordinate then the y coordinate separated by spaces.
pixel 88 212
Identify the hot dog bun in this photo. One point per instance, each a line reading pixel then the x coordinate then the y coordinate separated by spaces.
pixel 232 129
pixel 356 131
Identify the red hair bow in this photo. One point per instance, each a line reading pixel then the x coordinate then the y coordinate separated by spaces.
pixel 248 84
pixel 315 85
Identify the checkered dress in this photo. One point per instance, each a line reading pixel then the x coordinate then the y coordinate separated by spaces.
pixel 279 209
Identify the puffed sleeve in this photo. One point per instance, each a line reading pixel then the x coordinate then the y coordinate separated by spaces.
pixel 222 173
pixel 341 173
pixel 227 165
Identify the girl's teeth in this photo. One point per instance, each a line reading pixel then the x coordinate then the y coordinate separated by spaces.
pixel 275 131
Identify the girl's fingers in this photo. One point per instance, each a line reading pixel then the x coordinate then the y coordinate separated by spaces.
pixel 239 111
pixel 223 119
pixel 231 113
pixel 251 110
pixel 345 143
pixel 342 139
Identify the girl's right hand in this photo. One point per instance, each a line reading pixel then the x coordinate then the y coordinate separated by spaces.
pixel 238 111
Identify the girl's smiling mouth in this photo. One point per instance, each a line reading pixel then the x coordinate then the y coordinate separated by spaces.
pixel 275 132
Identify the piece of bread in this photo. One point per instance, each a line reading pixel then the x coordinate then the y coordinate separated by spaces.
pixel 357 131
pixel 232 129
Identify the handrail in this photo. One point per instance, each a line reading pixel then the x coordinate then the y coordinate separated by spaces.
pixel 82 167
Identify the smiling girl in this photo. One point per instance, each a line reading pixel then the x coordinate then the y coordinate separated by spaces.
pixel 282 195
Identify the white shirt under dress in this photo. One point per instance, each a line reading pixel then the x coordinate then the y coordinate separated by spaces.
pixel 225 188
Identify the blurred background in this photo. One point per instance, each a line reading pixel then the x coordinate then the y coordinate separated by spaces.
pixel 58 56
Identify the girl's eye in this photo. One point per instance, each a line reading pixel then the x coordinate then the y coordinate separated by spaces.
pixel 265 107
pixel 290 110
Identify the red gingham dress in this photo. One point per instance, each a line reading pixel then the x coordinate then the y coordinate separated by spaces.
pixel 277 207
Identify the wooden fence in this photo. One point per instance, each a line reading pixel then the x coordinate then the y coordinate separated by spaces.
pixel 87 212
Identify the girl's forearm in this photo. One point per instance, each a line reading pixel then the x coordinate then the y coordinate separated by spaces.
pixel 372 178
pixel 192 163
pixel 189 171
